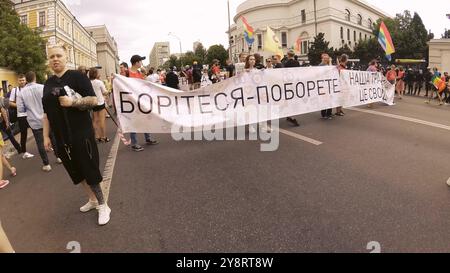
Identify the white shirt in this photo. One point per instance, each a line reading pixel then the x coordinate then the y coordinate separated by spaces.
pixel 99 89
pixel 154 78
pixel 29 101
pixel 14 94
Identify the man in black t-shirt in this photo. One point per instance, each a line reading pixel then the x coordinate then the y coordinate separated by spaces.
pixel 291 62
pixel 68 97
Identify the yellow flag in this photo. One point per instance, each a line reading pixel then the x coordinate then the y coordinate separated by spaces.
pixel 272 43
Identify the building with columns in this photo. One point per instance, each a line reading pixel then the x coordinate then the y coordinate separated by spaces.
pixel 440 54
pixel 342 22
pixel 59 26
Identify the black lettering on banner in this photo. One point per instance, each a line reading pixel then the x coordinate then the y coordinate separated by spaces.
pixel 176 105
pixel 279 88
pixel 204 104
pixel 311 86
pixel 380 92
pixel 335 84
pixel 217 104
pixel 163 105
pixel 122 102
pixel 320 87
pixel 370 94
pixel 303 90
pixel 267 93
pixel 151 103
pixel 290 91
pixel 188 102
pixel 361 95
pixel 241 97
pixel 366 96
pixel 329 85
pixel 352 78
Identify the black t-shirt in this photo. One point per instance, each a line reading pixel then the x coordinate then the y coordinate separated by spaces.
pixel 230 69
pixel 172 80
pixel 291 63
pixel 71 124
pixel 278 65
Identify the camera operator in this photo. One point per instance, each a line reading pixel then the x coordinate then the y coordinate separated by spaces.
pixel 68 97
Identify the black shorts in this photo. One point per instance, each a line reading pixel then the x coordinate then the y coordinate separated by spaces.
pixel 99 108
pixel 83 162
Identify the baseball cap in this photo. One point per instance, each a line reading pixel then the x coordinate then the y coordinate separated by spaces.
pixel 136 58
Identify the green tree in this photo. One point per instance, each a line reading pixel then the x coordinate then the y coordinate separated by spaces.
pixel 343 50
pixel 200 53
pixel 217 52
pixel 189 58
pixel 173 61
pixel 21 48
pixel 367 50
pixel 318 47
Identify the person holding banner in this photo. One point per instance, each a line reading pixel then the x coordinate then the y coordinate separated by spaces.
pixel 326 60
pixel 400 83
pixel 135 72
pixel 291 62
pixel 343 59
pixel 67 101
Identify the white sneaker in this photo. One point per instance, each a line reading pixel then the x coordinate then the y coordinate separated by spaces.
pixel 103 214
pixel 27 156
pixel 251 129
pixel 59 161
pixel 47 168
pixel 89 206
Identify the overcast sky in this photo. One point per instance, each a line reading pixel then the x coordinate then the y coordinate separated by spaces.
pixel 138 24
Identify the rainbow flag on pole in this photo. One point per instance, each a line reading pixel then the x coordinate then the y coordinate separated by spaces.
pixel 439 84
pixel 248 32
pixel 385 40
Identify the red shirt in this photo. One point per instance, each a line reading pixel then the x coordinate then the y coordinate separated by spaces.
pixel 136 75
pixel 391 75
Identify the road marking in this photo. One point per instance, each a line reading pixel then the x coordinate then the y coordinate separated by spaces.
pixel 109 167
pixel 300 137
pixel 414 120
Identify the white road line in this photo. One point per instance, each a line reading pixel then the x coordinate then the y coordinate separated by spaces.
pixel 414 120
pixel 109 167
pixel 300 137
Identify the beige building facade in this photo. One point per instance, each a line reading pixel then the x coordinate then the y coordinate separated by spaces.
pixel 342 22
pixel 107 52
pixel 59 26
pixel 440 54
pixel 159 54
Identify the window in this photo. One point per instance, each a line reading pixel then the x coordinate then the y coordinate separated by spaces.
pixel 24 19
pixel 365 36
pixel 68 28
pixel 305 49
pixel 360 36
pixel 42 18
pixel 259 41
pixel 354 36
pixel 348 34
pixel 359 19
pixel 342 33
pixel 57 20
pixel 347 15
pixel 370 23
pixel 284 42
pixel 63 24
pixel 303 16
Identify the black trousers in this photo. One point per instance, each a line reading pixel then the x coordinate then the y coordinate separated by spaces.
pixel 23 125
pixel 327 113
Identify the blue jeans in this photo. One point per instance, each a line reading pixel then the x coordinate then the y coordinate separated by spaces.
pixel 133 137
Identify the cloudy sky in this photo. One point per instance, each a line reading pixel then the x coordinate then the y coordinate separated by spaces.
pixel 138 24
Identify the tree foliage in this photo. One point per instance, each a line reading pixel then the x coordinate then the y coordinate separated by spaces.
pixel 318 47
pixel 21 49
pixel 200 53
pixel 217 52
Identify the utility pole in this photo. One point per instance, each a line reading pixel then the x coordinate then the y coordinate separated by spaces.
pixel 315 17
pixel 229 31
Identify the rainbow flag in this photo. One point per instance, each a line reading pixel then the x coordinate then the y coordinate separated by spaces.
pixel 248 32
pixel 439 84
pixel 385 40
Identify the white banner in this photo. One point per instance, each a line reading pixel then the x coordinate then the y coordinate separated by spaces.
pixel 249 98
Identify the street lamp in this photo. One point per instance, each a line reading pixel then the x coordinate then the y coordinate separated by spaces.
pixel 179 40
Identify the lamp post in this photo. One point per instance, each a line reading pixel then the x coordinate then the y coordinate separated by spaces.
pixel 179 40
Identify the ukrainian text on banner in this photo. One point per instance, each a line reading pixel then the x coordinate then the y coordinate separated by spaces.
pixel 278 93
pixel 362 87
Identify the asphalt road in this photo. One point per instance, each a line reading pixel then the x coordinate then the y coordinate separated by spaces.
pixel 374 178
